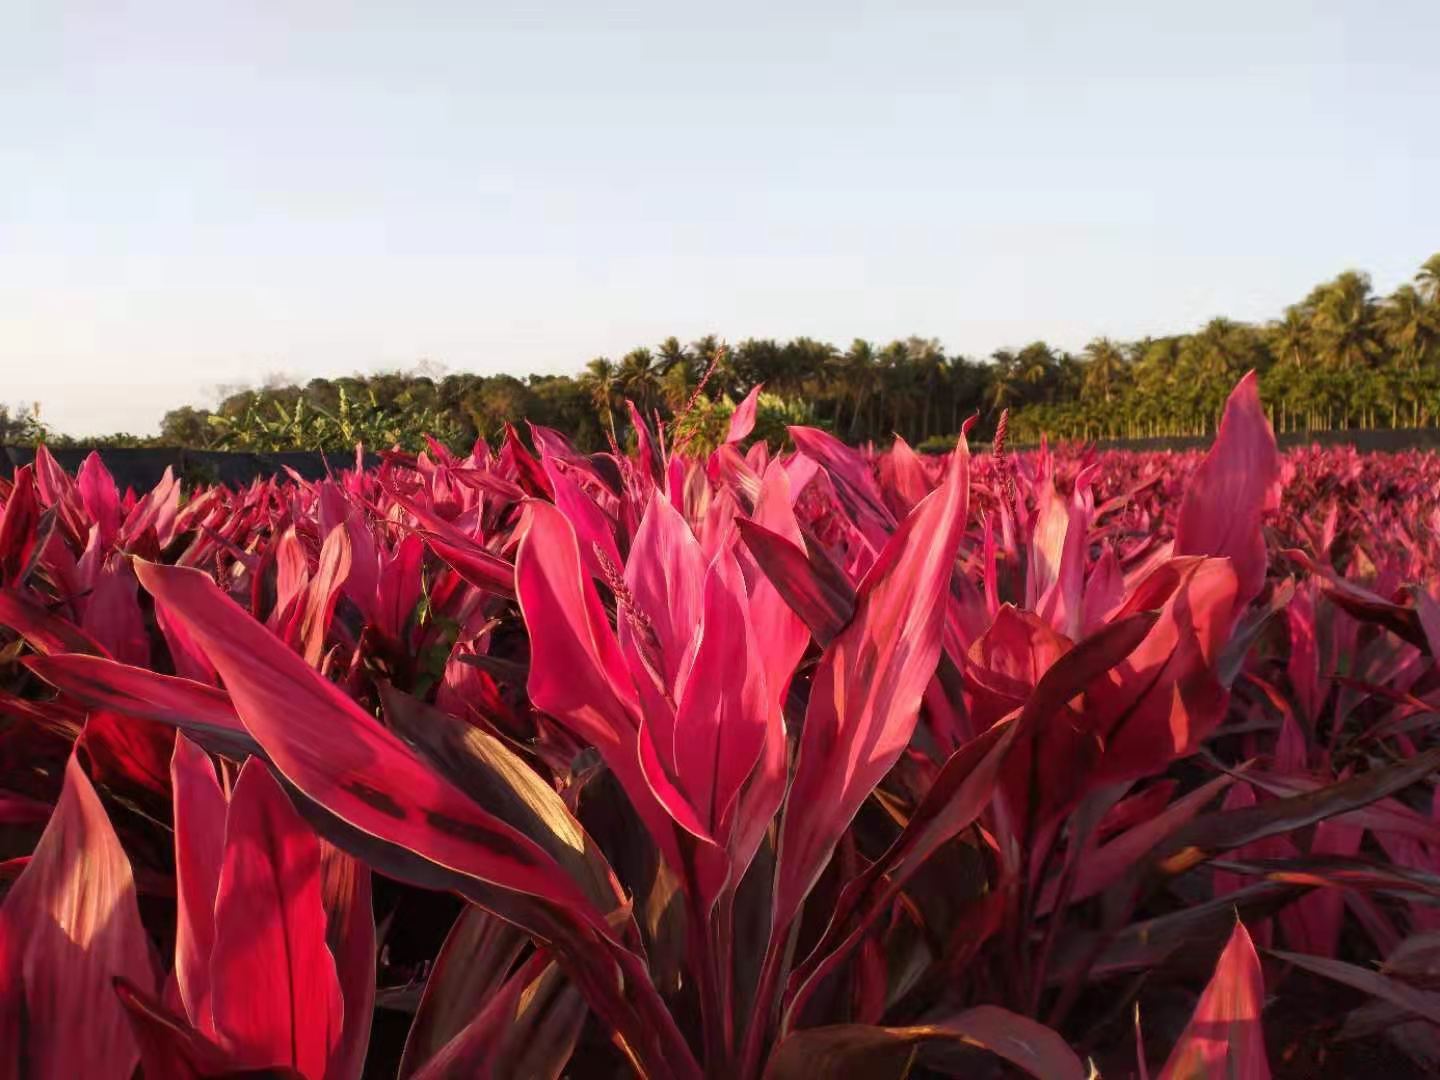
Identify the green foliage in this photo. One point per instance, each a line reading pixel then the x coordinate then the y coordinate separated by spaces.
pixel 275 421
pixel 706 424
pixel 21 426
pixel 1341 358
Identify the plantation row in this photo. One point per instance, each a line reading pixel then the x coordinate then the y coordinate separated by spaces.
pixel 711 762
pixel 1341 359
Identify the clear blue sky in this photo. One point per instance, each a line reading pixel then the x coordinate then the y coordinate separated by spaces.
pixel 197 194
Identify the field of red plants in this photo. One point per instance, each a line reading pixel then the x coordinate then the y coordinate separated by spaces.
pixel 533 763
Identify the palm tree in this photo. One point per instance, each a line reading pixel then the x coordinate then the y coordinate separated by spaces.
pixel 855 378
pixel 1410 331
pixel 670 354
pixel 601 382
pixel 639 379
pixel 1005 383
pixel 803 361
pixel 967 381
pixel 1290 336
pixel 758 360
pixel 1037 364
pixel 1429 279
pixel 1104 369
pixel 1408 326
pixel 1343 322
pixel 1152 366
pixel 926 361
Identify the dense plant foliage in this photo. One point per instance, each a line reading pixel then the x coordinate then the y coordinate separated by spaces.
pixel 723 763
pixel 1340 359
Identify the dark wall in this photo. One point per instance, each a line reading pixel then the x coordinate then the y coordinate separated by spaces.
pixel 1389 440
pixel 143 468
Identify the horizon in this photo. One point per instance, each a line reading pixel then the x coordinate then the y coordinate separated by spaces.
pixel 204 200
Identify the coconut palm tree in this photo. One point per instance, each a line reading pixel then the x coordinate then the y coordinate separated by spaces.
pixel 1289 337
pixel 925 360
pixel 601 382
pixel 855 377
pixel 639 379
pixel 1104 369
pixel 1344 322
pixel 1005 382
pixel 1037 365
pixel 1428 279
pixel 1408 327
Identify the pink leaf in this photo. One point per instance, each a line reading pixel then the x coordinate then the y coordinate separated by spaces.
pixel 69 926
pixel 1224 1037
pixel 724 709
pixel 742 420
pixel 1231 490
pixel 330 575
pixel 200 812
pixel 865 697
pixel 338 755
pixel 274 991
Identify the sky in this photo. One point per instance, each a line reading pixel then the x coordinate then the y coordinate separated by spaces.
pixel 199 195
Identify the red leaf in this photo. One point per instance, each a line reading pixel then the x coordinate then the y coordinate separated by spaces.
pixel 171 1048
pixel 813 587
pixel 724 709
pixel 866 693
pixel 338 755
pixel 854 1050
pixel 1166 698
pixel 68 927
pixel 274 991
pixel 204 711
pixel 112 615
pixel 742 420
pixel 19 521
pixel 1103 865
pixel 200 812
pixel 473 965
pixel 528 1028
pixel 783 634
pixel 43 631
pixel 1231 490
pixel 330 575
pixel 1224 1037
pixel 577 673
pixel 1425 1003
pixel 854 483
pixel 129 752
pixel 97 492
pixel 345 888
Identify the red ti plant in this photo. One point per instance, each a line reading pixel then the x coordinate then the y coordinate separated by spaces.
pixel 758 764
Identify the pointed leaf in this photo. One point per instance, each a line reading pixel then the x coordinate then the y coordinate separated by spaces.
pixel 69 926
pixel 200 812
pixel 865 697
pixel 338 755
pixel 1224 1036
pixel 204 711
pixel 345 890
pixel 1231 490
pixel 496 779
pixel 275 995
pixel 1227 829
pixel 474 964
pixel 1422 1003
pixel 742 420
pixel 877 1053
pixel 813 587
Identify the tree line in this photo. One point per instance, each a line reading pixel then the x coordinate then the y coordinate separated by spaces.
pixel 1341 358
